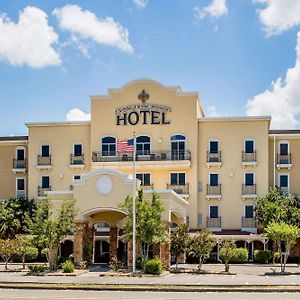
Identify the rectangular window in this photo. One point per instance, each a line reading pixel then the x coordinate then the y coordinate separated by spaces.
pixel 214 179
pixel 214 211
pixel 249 146
pixel 20 184
pixel 144 178
pixel 45 151
pixel 284 149
pixel 20 154
pixel 249 179
pixel 213 146
pixel 284 181
pixel 77 177
pixel 45 182
pixel 249 211
pixel 77 150
pixel 177 178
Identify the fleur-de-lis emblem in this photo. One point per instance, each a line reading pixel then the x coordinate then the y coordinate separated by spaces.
pixel 143 96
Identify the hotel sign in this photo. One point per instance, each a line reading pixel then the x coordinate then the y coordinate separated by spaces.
pixel 143 114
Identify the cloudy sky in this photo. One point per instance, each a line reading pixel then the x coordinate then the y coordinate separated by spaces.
pixel 242 56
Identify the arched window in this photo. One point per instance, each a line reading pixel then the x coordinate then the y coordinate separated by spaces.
pixel 177 146
pixel 143 145
pixel 109 146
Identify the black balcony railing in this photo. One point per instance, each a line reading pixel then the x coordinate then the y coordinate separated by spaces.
pixel 44 160
pixel 248 189
pixel 144 156
pixel 213 189
pixel 42 190
pixel 248 222
pixel 214 222
pixel 213 157
pixel 284 159
pixel 249 157
pixel 19 163
pixel 76 160
pixel 179 188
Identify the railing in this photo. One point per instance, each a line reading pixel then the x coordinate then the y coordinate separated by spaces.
pixel 213 189
pixel 21 194
pixel 284 159
pixel 19 164
pixel 214 222
pixel 145 156
pixel 41 191
pixel 248 222
pixel 284 189
pixel 248 189
pixel 76 159
pixel 179 189
pixel 44 160
pixel 147 187
pixel 249 157
pixel 213 157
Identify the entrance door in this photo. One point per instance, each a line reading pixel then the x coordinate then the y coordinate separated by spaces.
pixel 101 254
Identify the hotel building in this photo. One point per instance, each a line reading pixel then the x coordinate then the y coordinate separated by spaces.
pixel 208 171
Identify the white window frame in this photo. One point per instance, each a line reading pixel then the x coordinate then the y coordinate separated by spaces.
pixel 288 176
pixel 24 178
pixel 45 145
pixel 211 205
pixel 177 172
pixel 214 140
pixel 73 148
pixel 185 140
pixel 284 142
pixel 77 180
pixel 253 209
pixel 147 135
pixel 20 148
pixel 142 173
pixel 249 140
pixel 253 173
pixel 105 136
pixel 214 173
pixel 41 180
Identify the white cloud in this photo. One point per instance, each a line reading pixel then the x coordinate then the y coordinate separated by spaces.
pixel 279 15
pixel 216 9
pixel 76 114
pixel 29 41
pixel 281 101
pixel 140 3
pixel 86 24
pixel 212 112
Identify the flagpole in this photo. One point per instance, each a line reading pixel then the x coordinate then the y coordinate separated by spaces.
pixel 134 209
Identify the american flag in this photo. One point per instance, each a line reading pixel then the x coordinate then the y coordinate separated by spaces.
pixel 125 145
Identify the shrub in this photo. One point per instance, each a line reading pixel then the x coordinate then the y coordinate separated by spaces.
pixel 138 263
pixel 115 264
pixel 154 266
pixel 240 255
pixel 277 257
pixel 37 268
pixel 68 267
pixel 262 256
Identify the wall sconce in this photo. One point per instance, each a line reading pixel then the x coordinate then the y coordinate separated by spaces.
pixel 231 173
pixel 61 176
pixel 159 140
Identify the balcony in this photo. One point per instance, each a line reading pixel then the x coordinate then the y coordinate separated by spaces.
pixel 284 161
pixel 249 224
pixel 182 189
pixel 153 159
pixel 249 159
pixel 44 162
pixel 213 191
pixel 76 161
pixel 19 166
pixel 249 191
pixel 213 159
pixel 21 194
pixel 147 187
pixel 284 190
pixel 42 190
pixel 214 224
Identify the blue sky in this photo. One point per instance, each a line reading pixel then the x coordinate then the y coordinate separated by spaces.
pixel 54 54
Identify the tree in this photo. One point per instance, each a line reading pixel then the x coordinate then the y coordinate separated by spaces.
pixel 202 245
pixel 180 241
pixel 150 228
pixel 48 231
pixel 286 234
pixel 227 251
pixel 7 249
pixel 13 215
pixel 24 247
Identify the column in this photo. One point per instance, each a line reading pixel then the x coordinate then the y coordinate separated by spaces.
pixel 113 242
pixel 129 253
pixel 79 238
pixel 165 255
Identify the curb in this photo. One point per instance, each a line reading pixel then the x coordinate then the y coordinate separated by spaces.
pixel 151 288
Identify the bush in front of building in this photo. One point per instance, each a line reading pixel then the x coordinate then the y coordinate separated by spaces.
pixel 154 266
pixel 240 255
pixel 37 269
pixel 115 264
pixel 262 256
pixel 68 267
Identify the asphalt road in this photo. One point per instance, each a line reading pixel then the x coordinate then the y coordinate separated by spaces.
pixel 104 295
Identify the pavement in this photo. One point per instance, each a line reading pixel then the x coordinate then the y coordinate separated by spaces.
pixel 244 276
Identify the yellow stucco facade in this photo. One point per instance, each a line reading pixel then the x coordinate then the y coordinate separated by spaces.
pixel 208 171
